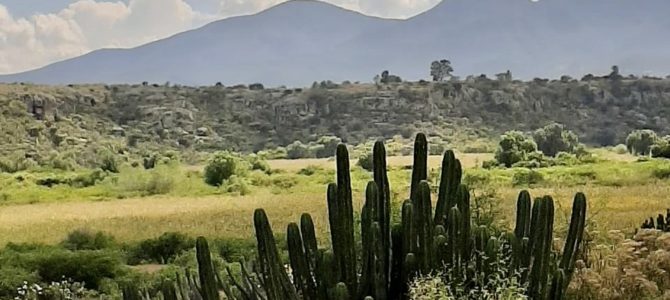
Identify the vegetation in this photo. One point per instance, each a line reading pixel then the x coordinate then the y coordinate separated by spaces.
pixel 126 210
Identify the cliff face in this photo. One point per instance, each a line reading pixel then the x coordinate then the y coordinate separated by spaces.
pixel 602 111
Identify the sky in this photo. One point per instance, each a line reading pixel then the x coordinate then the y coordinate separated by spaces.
pixel 34 33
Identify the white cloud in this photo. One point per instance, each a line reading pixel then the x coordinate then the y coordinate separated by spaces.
pixel 86 25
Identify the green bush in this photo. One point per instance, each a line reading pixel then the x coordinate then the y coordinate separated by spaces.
pixel 162 249
pixel 514 147
pixel 108 162
pixel 221 167
pixel 298 150
pixel 365 161
pixel 84 239
pixel 639 142
pixel 620 149
pixel 310 170
pixel 526 177
pixel 234 250
pixel 554 138
pixel 86 266
pixel 285 181
pixel 158 181
pixel 236 185
pixel 257 163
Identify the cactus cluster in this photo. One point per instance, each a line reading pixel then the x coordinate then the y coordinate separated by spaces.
pixel 662 222
pixel 424 241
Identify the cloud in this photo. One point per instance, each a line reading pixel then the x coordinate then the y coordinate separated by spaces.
pixel 87 25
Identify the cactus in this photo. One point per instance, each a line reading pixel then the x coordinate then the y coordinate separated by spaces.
pixel 424 227
pixel 573 240
pixel 450 180
pixel 274 277
pixel 208 285
pixel 343 241
pixel 384 204
pixel 302 274
pixel 541 248
pixel 424 241
pixel 420 166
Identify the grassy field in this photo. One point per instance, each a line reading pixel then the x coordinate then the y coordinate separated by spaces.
pixel 621 194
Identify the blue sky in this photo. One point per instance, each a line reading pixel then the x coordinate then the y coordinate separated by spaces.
pixel 34 33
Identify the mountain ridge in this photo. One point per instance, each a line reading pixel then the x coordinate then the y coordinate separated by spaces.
pixel 300 41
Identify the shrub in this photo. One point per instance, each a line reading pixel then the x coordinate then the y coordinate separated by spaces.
pixel 233 250
pixel 157 181
pixel 108 162
pixel 160 250
pixel 84 239
pixel 554 138
pixel 286 181
pixel 514 146
pixel 640 141
pixel 81 266
pixel 661 148
pixel 221 167
pixel 527 177
pixel 329 145
pixel 297 150
pixel 258 163
pixel 237 185
pixel 310 170
pixel 620 149
pixel 365 161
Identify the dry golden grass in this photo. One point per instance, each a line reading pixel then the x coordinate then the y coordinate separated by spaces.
pixel 141 218
pixel 135 219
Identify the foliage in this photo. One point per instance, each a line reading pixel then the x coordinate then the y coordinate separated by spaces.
pixel 639 142
pixel 162 249
pixel 440 69
pixel 222 166
pixel 554 138
pixel 514 147
pixel 84 239
pixel 661 148
pixel 365 162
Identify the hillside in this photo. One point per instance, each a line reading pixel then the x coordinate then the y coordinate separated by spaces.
pixel 76 119
pixel 300 41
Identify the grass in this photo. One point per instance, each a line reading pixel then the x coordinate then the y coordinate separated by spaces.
pixel 621 195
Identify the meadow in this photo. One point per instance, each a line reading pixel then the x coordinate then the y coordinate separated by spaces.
pixel 622 193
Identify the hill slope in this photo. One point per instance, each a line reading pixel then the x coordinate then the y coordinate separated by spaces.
pixel 301 41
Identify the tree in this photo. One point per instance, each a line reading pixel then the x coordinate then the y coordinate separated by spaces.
pixel 639 142
pixel 387 77
pixel 514 147
pixel 554 138
pixel 440 70
pixel 661 148
pixel 221 166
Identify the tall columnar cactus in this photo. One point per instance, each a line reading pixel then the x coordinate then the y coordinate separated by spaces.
pixel 420 166
pixel 541 248
pixel 423 220
pixel 302 274
pixel 424 241
pixel 368 217
pixel 341 216
pixel 463 205
pixel 274 277
pixel 384 204
pixel 206 274
pixel 573 240
pixel 450 180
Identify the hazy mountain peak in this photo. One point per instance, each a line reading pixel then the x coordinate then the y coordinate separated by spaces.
pixel 300 41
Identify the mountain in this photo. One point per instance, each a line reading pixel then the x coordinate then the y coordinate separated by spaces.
pixel 298 42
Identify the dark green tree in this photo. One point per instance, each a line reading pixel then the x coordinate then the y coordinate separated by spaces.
pixel 554 138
